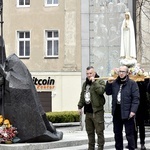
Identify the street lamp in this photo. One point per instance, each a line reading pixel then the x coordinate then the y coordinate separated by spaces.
pixel 2 54
pixel 1 13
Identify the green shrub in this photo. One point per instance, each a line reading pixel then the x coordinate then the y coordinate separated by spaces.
pixel 63 117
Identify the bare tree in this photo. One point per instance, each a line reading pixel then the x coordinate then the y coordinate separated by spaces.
pixel 142 26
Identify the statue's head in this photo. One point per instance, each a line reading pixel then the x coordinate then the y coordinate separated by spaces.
pixel 127 15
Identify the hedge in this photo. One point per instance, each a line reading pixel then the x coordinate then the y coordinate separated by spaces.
pixel 63 116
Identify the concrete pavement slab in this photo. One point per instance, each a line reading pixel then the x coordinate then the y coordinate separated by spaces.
pixel 73 137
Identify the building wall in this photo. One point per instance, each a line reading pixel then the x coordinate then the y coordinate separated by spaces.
pixel 66 69
pixel 37 18
pixel 66 92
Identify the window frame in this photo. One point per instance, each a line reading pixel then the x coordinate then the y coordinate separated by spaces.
pixel 51 39
pixel 49 5
pixel 22 5
pixel 24 40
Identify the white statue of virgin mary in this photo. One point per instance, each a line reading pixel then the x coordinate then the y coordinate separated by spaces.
pixel 128 47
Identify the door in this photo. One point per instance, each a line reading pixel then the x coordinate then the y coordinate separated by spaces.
pixel 46 101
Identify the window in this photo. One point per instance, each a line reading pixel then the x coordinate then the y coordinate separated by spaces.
pixel 23 3
pixel 23 44
pixel 52 43
pixel 51 2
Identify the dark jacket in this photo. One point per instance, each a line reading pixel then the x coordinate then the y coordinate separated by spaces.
pixel 129 96
pixel 148 87
pixel 142 112
pixel 97 90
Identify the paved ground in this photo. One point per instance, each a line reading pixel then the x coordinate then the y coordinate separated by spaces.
pixel 109 144
pixel 73 139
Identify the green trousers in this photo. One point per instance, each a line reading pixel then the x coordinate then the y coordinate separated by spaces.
pixel 94 123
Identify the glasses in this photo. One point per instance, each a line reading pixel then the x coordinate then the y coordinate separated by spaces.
pixel 122 71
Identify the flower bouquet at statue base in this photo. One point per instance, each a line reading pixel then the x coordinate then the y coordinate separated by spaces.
pixel 135 73
pixel 8 133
